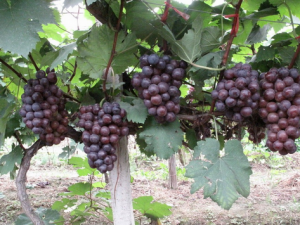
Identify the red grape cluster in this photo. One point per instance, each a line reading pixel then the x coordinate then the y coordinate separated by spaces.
pixel 43 110
pixel 158 85
pixel 279 107
pixel 103 127
pixel 238 93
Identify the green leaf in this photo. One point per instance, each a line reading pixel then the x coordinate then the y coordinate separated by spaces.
pixel 63 54
pixel 210 39
pixel 84 166
pixel 258 34
pixel 265 53
pixel 286 54
pixel 136 111
pixel 78 189
pixel 20 23
pixel 7 104
pixel 163 139
pixel 224 178
pixel 47 216
pixel 63 204
pixel 94 53
pixel 191 138
pixel 138 18
pixel 103 194
pixel 7 162
pixel 150 209
pixel 189 47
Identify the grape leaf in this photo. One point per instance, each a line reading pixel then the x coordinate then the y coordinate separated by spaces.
pixel 78 189
pixel 138 18
pixel 224 178
pixel 7 162
pixel 286 54
pixel 150 209
pixel 163 139
pixel 59 205
pixel 258 34
pixel 136 112
pixel 53 59
pixel 7 104
pixel 47 216
pixel 265 53
pixel 210 39
pixel 20 22
pixel 189 47
pixel 94 53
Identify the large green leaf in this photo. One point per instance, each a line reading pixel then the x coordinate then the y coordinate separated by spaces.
pixel 7 104
pixel 7 162
pixel 136 111
pixel 224 177
pixel 95 52
pixel 150 209
pixel 163 139
pixel 48 216
pixel 20 22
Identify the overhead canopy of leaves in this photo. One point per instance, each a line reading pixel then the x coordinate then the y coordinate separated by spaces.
pixel 223 177
pixel 20 22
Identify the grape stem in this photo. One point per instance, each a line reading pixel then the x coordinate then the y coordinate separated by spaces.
pixel 295 57
pixel 33 62
pixel 73 75
pixel 229 43
pixel 207 68
pixel 164 19
pixel 12 69
pixel 16 135
pixel 113 51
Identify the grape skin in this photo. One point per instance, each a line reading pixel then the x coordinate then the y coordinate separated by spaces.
pixel 158 84
pixel 103 127
pixel 44 108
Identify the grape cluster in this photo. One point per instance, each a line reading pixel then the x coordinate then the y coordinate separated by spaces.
pixel 158 85
pixel 103 127
pixel 43 110
pixel 238 93
pixel 279 107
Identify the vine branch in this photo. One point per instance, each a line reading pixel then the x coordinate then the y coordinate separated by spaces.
pixel 24 167
pixel 113 51
pixel 33 62
pixel 12 69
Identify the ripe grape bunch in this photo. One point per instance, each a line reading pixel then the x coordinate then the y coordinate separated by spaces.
pixel 238 94
pixel 43 110
pixel 158 85
pixel 279 107
pixel 103 127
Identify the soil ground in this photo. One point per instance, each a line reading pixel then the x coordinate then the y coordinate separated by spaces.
pixel 274 197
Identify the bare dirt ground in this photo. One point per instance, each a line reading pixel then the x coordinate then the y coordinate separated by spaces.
pixel 274 198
